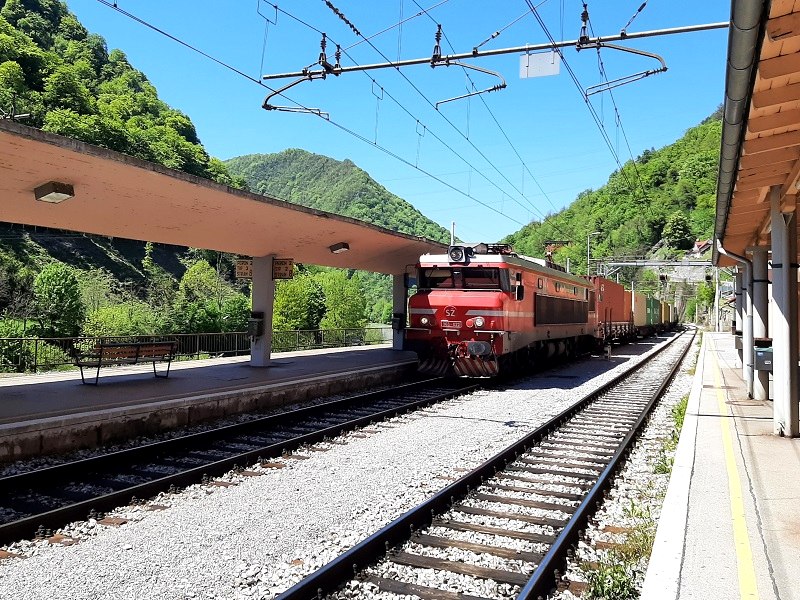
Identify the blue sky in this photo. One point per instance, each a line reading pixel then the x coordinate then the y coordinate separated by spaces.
pixel 520 153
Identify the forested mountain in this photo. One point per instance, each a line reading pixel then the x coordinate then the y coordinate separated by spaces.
pixel 63 77
pixel 664 199
pixel 334 186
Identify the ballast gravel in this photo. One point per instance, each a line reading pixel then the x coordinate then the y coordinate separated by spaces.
pixel 633 505
pixel 260 535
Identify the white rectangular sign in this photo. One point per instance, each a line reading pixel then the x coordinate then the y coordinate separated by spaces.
pixel 540 64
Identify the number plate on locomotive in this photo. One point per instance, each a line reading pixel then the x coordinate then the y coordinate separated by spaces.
pixel 451 324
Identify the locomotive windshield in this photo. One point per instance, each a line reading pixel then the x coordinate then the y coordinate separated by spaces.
pixel 465 278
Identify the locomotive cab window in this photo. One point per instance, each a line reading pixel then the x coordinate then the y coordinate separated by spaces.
pixel 485 278
pixel 472 278
pixel 435 278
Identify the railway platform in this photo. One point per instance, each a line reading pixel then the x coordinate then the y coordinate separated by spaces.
pixel 54 412
pixel 730 525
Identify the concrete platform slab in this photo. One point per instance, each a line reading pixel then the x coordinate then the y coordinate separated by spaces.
pixel 48 413
pixel 730 526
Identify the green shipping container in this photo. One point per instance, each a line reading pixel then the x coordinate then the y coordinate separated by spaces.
pixel 653 311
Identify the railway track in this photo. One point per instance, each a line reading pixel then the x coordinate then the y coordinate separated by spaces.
pixel 506 527
pixel 32 503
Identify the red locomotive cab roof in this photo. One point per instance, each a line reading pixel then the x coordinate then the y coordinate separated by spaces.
pixel 505 261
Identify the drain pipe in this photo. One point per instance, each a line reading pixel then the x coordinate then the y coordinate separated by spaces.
pixel 748 346
pixel 748 23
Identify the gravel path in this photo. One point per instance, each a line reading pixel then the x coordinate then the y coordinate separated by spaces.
pixel 261 535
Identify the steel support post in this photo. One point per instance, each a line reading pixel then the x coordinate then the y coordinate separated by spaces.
pixel 263 302
pixel 784 318
pixel 748 354
pixel 716 300
pixel 739 318
pixel 760 315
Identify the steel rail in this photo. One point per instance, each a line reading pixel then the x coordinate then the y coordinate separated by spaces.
pixel 60 474
pixel 544 578
pixel 330 576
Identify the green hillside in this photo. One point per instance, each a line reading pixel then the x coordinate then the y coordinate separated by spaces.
pixel 665 199
pixel 335 186
pixel 67 82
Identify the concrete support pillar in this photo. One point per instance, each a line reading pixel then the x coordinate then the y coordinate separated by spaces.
pixel 263 302
pixel 739 317
pixel 784 325
pixel 399 309
pixel 760 315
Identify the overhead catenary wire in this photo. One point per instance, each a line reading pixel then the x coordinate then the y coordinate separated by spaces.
pixel 496 121
pixel 618 120
pixel 113 6
pixel 497 33
pixel 452 125
pixel 410 114
pixel 305 108
pixel 576 81
pixel 438 138
pixel 399 24
pixel 636 14
pixel 618 117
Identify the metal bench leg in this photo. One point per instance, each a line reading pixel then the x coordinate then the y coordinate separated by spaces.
pixel 83 378
pixel 169 362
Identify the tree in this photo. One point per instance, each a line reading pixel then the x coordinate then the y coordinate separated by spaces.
pixel 201 282
pixel 199 316
pixel 128 318
pixel 58 300
pixel 345 306
pixel 299 304
pixel 66 89
pixel 97 287
pixel 676 232
pixel 159 285
pixel 234 313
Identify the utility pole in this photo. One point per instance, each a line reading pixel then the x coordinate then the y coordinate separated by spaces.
pixel 589 251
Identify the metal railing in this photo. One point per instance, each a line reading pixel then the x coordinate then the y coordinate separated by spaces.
pixel 32 355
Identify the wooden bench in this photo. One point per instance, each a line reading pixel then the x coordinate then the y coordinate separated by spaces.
pixel 123 353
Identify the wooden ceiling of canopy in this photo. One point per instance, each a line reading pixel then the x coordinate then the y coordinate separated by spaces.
pixel 770 153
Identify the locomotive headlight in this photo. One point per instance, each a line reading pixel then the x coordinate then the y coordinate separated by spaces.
pixel 479 322
pixel 424 320
pixel 456 253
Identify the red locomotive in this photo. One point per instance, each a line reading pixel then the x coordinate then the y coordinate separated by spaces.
pixel 482 310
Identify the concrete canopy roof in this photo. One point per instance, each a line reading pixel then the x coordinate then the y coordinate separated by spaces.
pixel 120 196
pixel 761 131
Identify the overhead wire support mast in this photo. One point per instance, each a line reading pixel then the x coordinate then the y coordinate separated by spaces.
pixel 327 67
pixel 615 83
pixel 584 42
pixel 475 53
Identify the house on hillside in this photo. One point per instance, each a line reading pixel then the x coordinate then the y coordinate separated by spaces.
pixel 700 246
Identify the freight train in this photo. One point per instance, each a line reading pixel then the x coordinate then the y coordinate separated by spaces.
pixel 483 310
